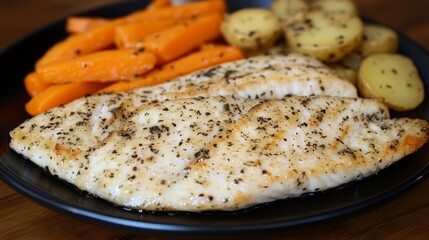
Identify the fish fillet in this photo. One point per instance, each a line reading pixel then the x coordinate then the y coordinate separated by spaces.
pixel 224 138
pixel 226 152
pixel 70 132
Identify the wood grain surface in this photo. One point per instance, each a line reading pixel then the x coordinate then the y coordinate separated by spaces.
pixel 402 217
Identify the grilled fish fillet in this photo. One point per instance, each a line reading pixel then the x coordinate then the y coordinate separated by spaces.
pixel 70 132
pixel 222 138
pixel 226 152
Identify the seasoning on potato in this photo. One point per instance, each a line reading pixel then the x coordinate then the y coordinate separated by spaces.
pixel 325 35
pixel 392 77
pixel 289 11
pixel 252 29
pixel 378 39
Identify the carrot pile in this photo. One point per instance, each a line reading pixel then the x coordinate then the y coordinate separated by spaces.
pixel 147 47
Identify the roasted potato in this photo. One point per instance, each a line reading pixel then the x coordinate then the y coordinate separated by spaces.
pixel 393 78
pixel 289 11
pixel 378 39
pixel 278 49
pixel 252 29
pixel 325 35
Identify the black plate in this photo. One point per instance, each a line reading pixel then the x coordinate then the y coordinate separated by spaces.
pixel 36 184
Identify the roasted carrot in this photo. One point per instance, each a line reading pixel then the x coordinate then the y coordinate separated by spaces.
pixel 182 38
pixel 131 35
pixel 83 24
pixel 34 84
pixel 179 12
pixel 158 4
pixel 102 66
pixel 80 44
pixel 211 45
pixel 190 63
pixel 59 94
pixel 193 62
pixel 102 37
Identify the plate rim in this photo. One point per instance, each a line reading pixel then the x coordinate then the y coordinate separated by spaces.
pixel 53 202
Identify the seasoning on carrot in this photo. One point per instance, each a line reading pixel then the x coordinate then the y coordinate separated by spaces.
pixel 158 4
pixel 190 63
pixel 80 44
pixel 82 63
pixel 103 37
pixel 183 38
pixel 102 66
pixel 34 84
pixel 131 35
pixel 210 45
pixel 84 24
pixel 59 94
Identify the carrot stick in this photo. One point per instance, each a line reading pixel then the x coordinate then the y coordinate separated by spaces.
pixel 181 39
pixel 179 12
pixel 158 4
pixel 80 44
pixel 103 37
pixel 185 65
pixel 83 24
pixel 34 84
pixel 210 45
pixel 102 66
pixel 130 35
pixel 57 95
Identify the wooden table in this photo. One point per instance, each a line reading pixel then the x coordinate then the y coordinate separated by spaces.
pixel 402 217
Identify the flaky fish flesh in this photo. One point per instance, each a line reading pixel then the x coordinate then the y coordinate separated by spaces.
pixel 225 138
pixel 72 131
pixel 226 152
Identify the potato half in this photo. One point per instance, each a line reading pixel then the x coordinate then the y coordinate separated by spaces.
pixel 392 77
pixel 325 35
pixel 252 29
pixel 278 49
pixel 378 39
pixel 289 11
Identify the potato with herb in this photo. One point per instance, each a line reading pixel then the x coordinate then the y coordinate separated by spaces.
pixel 252 29
pixel 341 6
pixel 325 35
pixel 378 39
pixel 392 77
pixel 278 49
pixel 289 11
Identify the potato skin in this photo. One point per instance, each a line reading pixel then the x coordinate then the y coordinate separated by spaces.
pixel 252 29
pixel 393 78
